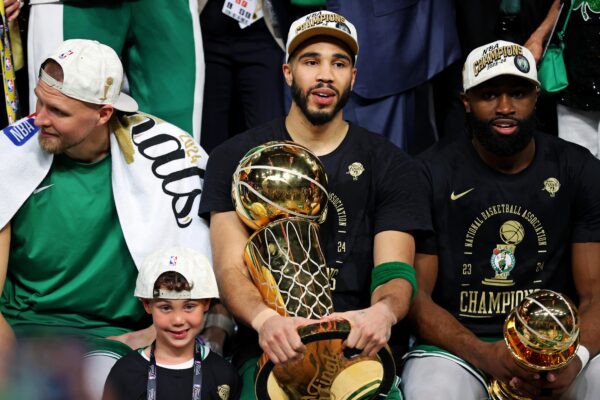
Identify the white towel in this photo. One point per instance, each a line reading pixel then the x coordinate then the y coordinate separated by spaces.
pixel 157 178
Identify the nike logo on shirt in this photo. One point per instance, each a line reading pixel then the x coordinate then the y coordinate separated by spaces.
pixel 42 188
pixel 458 196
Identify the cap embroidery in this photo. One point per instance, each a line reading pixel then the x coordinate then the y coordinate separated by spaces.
pixel 66 54
pixel 522 64
pixel 107 85
pixel 322 19
pixel 495 55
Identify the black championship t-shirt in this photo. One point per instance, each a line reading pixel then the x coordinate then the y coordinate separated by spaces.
pixel 499 237
pixel 128 380
pixel 373 187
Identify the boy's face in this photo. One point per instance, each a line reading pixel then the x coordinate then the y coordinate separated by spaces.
pixel 177 322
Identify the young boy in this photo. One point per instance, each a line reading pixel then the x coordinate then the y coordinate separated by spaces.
pixel 176 286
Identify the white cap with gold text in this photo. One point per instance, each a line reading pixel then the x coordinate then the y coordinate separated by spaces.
pixel 321 23
pixel 498 58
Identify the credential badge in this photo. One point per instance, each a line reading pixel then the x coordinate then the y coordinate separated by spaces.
pixel 551 185
pixel 355 169
pixel 223 392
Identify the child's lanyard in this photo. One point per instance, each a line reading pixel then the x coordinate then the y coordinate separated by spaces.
pixel 197 383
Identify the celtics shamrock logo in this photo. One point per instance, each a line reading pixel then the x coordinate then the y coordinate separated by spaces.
pixel 585 5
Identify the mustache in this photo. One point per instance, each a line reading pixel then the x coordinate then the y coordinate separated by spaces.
pixel 322 85
pixel 515 120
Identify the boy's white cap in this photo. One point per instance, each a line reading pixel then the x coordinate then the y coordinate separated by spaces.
pixel 92 73
pixel 194 267
pixel 498 58
pixel 324 23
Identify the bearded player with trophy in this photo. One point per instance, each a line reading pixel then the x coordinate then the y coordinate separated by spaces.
pixel 364 271
pixel 516 215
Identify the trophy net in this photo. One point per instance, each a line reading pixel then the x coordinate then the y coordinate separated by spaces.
pixel 287 265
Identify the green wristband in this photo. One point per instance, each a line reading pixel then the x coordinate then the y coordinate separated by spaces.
pixel 385 272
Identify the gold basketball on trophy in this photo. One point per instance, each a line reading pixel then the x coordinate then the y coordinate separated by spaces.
pixel 278 180
pixel 542 333
pixel 512 232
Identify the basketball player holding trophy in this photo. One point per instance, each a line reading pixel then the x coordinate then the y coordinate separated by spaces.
pixel 374 208
pixel 515 212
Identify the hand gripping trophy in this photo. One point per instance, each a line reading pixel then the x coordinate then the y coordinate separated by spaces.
pixel 542 333
pixel 280 190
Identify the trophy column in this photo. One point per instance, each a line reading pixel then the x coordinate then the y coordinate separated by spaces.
pixel 280 190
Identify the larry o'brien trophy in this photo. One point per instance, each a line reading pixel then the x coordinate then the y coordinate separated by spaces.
pixel 542 333
pixel 280 188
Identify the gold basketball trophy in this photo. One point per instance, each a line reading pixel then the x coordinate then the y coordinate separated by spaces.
pixel 542 333
pixel 280 188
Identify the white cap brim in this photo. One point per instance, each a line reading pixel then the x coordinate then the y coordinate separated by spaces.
pixel 126 103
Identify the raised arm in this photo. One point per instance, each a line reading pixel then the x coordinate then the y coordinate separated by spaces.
pixel 12 8
pixel 538 38
pixel 278 336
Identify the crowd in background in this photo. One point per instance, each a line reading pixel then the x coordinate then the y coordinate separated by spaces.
pixel 408 84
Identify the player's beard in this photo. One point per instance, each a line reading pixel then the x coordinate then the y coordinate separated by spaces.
pixel 502 145
pixel 319 117
pixel 57 145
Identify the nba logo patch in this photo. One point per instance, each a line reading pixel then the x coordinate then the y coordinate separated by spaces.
pixel 66 54
pixel 173 261
pixel 21 131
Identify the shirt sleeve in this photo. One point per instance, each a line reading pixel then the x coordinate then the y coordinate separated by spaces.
pixel 425 241
pixel 216 194
pixel 586 224
pixel 114 387
pixel 401 203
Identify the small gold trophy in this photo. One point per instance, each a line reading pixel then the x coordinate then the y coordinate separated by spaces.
pixel 280 190
pixel 542 333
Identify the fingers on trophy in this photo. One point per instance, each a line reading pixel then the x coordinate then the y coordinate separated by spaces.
pixel 542 334
pixel 280 190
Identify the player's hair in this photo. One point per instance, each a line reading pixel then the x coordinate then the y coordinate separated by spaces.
pixel 54 69
pixel 172 280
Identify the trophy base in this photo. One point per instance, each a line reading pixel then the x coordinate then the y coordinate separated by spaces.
pixel 326 372
pixel 499 391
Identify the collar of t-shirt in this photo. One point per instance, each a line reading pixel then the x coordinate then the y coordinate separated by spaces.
pixel 325 158
pixel 184 365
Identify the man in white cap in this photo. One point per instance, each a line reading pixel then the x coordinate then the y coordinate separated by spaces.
pixel 514 211
pixel 367 236
pixel 90 187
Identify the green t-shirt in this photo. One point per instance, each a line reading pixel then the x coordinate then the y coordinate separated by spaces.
pixel 69 271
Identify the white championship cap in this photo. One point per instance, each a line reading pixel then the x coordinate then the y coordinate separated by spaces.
pixel 92 73
pixel 194 267
pixel 498 58
pixel 325 23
